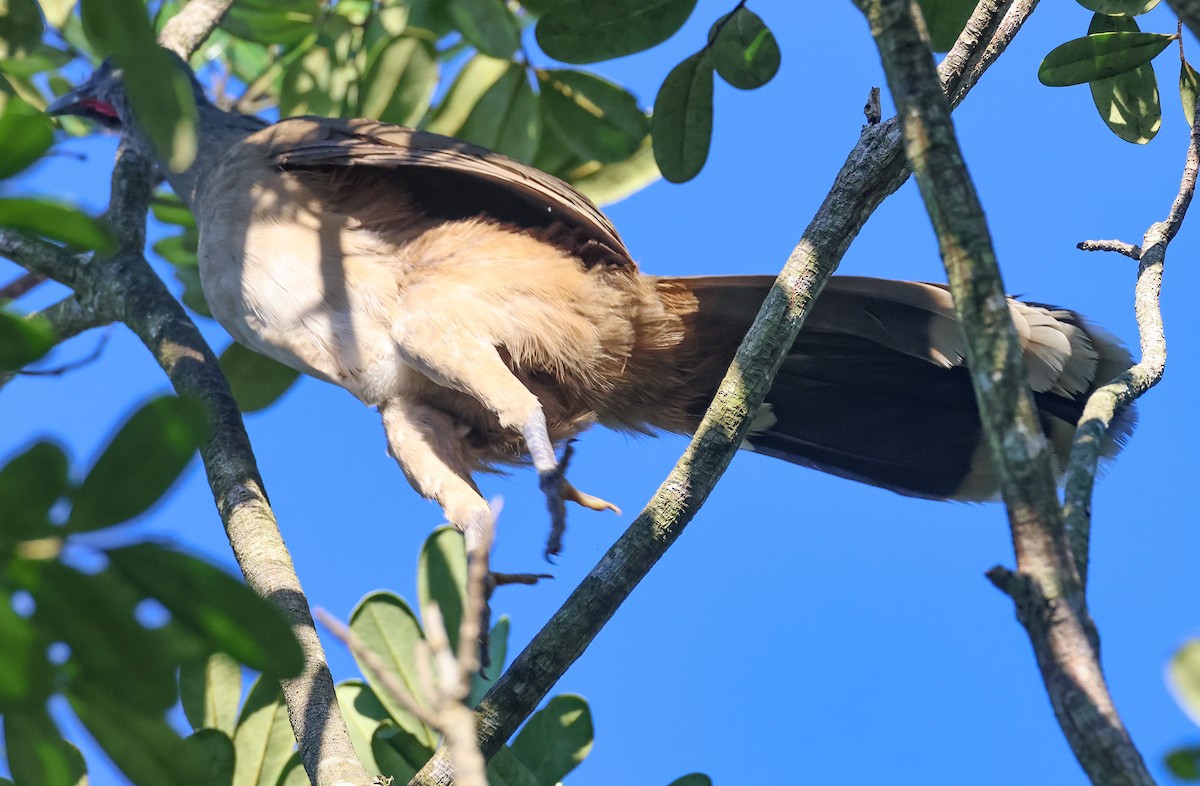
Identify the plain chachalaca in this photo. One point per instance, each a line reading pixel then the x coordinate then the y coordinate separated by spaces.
pixel 490 312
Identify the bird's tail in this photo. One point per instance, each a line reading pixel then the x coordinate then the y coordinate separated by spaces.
pixel 875 388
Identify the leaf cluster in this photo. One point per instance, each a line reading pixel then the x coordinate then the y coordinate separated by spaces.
pixel 107 627
pixel 1114 59
pixel 255 746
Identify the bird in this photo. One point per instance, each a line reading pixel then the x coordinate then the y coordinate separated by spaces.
pixel 491 313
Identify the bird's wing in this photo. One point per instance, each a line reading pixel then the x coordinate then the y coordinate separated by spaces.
pixel 449 178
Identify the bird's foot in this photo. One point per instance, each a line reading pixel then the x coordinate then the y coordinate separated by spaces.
pixel 558 492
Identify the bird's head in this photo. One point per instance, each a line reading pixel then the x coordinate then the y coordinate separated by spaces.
pixel 100 98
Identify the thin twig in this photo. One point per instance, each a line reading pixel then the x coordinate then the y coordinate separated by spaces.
pixel 74 365
pixel 1104 404
pixel 444 687
pixel 20 285
pixel 1115 246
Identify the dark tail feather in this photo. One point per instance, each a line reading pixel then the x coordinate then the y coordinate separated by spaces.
pixel 875 388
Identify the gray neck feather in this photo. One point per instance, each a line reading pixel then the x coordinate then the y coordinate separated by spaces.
pixel 217 132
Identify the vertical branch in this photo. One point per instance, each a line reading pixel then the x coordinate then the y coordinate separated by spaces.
pixel 1104 404
pixel 1046 588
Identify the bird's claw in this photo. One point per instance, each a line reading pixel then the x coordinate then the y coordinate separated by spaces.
pixel 558 492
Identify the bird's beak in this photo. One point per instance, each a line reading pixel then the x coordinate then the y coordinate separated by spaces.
pixel 80 102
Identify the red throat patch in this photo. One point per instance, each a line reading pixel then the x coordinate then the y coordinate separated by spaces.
pixel 99 107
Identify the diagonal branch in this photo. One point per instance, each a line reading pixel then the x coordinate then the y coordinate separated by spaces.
pixel 1046 588
pixel 872 172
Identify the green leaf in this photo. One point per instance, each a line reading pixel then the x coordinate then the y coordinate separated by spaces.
pixel 56 221
pixel 57 11
pixel 248 60
pixel 159 91
pixel 1189 89
pixel 398 752
pixel 357 12
pixel 608 183
pixel 1183 677
pixel 596 118
pixel 497 652
pixel 23 340
pixel 44 58
pixel 293 773
pixel 553 155
pixel 26 676
pixel 257 380
pixel 1128 103
pixel 215 750
pixel 264 740
pixel 506 769
pixel 180 250
pixel 744 52
pixel 427 19
pixel 170 209
pixel 506 117
pixel 193 292
pixel 692 779
pixel 142 745
pixel 318 82
pixel 30 484
pixel 25 134
pixel 584 31
pixel 37 752
pixel 1119 7
pixel 945 19
pixel 389 628
pixel 363 712
pixel 140 463
pixel 487 25
pixel 442 578
pixel 1099 56
pixel 400 81
pixel 94 615
pixel 230 616
pixel 681 125
pixel 210 690
pixel 556 739
pixel 1184 763
pixel 286 22
pixel 474 80
pixel 20 27
pixel 539 7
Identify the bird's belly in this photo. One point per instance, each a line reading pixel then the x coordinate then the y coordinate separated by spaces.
pixel 286 309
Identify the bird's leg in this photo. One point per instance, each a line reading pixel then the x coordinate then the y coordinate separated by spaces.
pixel 424 442
pixel 472 365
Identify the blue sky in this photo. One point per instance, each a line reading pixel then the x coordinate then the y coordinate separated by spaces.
pixel 804 628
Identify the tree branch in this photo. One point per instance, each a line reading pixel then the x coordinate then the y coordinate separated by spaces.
pixel 1047 588
pixel 184 32
pixel 1103 405
pixel 1188 12
pixel 874 169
